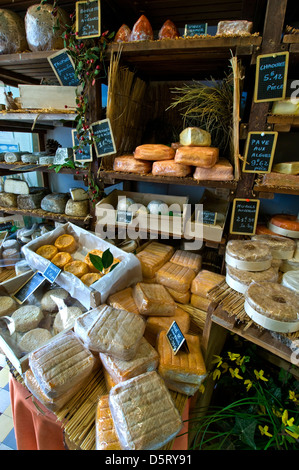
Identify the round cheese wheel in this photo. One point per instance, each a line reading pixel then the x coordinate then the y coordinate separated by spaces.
pixel 158 207
pixel 39 25
pixel 52 298
pixel 280 247
pixel 12 33
pixel 248 255
pixel 27 318
pixel 34 339
pixel 272 306
pixel 77 268
pixel 61 259
pixel 66 243
pixel 89 278
pixel 65 318
pixel 7 305
pixel 239 280
pixel 91 267
pixel 285 224
pixel 47 251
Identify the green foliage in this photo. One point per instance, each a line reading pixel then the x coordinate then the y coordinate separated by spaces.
pixel 103 263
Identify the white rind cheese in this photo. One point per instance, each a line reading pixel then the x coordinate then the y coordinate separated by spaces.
pixel 15 186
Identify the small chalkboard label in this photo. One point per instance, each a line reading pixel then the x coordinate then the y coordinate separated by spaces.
pixel 6 226
pixel 176 338
pixel 209 217
pixel 259 152
pixel 244 216
pixel 86 150
pixel 124 217
pixel 271 77
pixel 29 287
pixel 64 68
pixel 51 272
pixel 88 19
pixel 196 29
pixel 104 144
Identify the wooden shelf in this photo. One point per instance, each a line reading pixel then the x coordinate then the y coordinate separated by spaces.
pixel 185 58
pixel 17 168
pixel 40 213
pixel 110 177
pixel 291 39
pixel 37 115
pixel 258 188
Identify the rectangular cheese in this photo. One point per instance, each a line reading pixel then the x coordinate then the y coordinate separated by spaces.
pixel 187 259
pixel 280 180
pixel 153 299
pixel 153 257
pixel 171 168
pixel 154 152
pixel 288 168
pixel 106 435
pixel 186 367
pixel 205 157
pixel 123 300
pixel 221 171
pixel 181 297
pixel 156 324
pixel 181 387
pixel 205 281
pixel 130 164
pixel 175 276
pixel 16 186
pixel 202 303
pixel 234 28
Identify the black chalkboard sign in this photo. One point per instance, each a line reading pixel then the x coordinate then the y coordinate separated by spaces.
pixel 86 150
pixel 124 217
pixel 244 216
pixel 209 217
pixel 196 29
pixel 104 140
pixel 88 19
pixel 29 287
pixel 176 338
pixel 259 152
pixel 271 77
pixel 63 68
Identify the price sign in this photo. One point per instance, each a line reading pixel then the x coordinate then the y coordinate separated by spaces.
pixel 64 68
pixel 104 144
pixel 29 287
pixel 124 217
pixel 86 150
pixel 196 29
pixel 88 19
pixel 259 152
pixel 176 338
pixel 271 77
pixel 51 272
pixel 244 216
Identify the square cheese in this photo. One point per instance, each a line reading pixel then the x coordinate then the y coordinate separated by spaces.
pixel 187 259
pixel 181 367
pixel 153 257
pixel 175 276
pixel 106 436
pixel 123 300
pixel 153 299
pixel 205 281
pixel 156 324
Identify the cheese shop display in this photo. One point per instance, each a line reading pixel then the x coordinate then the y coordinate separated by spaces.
pixel 12 33
pixel 285 224
pixel 123 300
pixel 153 257
pixel 156 324
pixel 123 34
pixel 221 171
pixel 154 152
pixel 142 30
pixel 204 157
pixel 275 308
pixel 143 412
pixel 239 280
pixel 168 31
pixel 234 28
pixel 187 259
pixel 170 168
pixel 175 276
pixel 39 24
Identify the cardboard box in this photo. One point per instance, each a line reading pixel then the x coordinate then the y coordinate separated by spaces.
pixel 128 272
pixel 47 97
pixel 107 214
pixel 209 231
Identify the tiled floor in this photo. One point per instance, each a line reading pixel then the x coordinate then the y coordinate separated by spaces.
pixel 7 435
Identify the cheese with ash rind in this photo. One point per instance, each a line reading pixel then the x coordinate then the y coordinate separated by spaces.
pixel 78 194
pixel 15 186
pixel 77 208
pixel 32 200
pixel 55 202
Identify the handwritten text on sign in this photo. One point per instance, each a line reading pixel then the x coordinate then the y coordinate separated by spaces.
pixel 63 68
pixel 259 152
pixel 271 77
pixel 244 216
pixel 88 21
pixel 104 140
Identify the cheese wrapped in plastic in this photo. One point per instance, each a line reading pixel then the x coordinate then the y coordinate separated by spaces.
pixel 153 299
pixel 145 360
pixel 12 33
pixel 202 303
pixel 39 24
pixel 239 280
pixel 61 364
pixel 194 136
pixel 280 247
pixel 153 257
pixel 181 387
pixel 187 367
pixel 221 171
pixel 234 28
pixel 205 157
pixel 143 412
pixel 168 31
pixel 123 34
pixel 111 331
pixel 129 164
pixel 187 259
pixel 154 152
pixel 156 324
pixel 142 30
pixel 108 380
pixel 123 300
pixel 175 276
pixel 106 436
pixel 181 297
pixel 171 168
pixel 248 255
pixel 205 281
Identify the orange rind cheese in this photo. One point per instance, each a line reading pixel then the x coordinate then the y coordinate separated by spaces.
pixel 77 268
pixel 66 243
pixel 47 251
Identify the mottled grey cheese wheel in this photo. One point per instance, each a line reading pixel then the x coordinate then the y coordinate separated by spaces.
pixel 39 25
pixel 12 33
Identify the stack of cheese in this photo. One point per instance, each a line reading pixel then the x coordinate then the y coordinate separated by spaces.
pixel 283 251
pixel 246 262
pixel 286 226
pixel 61 254
pixel 193 154
pixel 10 253
pixel 203 283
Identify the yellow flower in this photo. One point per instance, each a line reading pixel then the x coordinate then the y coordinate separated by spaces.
pixel 293 396
pixel 285 417
pixel 233 356
pixel 264 431
pixel 295 435
pixel 248 383
pixel 224 367
pixel 216 374
pixel 260 375
pixel 235 373
pixel 240 360
pixel 217 360
pixel 276 413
